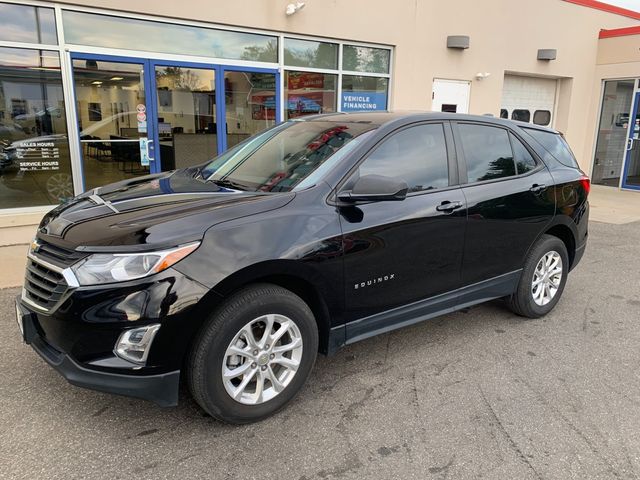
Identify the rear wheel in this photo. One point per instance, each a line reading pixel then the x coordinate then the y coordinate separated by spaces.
pixel 543 278
pixel 254 354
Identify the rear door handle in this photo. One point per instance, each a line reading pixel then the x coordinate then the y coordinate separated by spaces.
pixel 448 206
pixel 538 187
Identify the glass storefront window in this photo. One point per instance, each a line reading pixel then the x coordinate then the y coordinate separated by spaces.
pixel 35 168
pixel 308 93
pixel 360 93
pixel 307 53
pixel 612 133
pixel 28 24
pixel 119 32
pixel 365 59
pixel 109 97
pixel 186 103
pixel 250 104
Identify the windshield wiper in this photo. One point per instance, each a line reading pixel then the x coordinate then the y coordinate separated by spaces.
pixel 229 184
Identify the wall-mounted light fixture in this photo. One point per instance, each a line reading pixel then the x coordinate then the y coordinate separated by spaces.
pixel 294 8
pixel 458 42
pixel 547 54
pixel 482 75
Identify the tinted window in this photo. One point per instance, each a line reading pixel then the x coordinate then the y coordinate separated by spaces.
pixel 542 117
pixel 504 113
pixel 487 151
pixel 521 115
pixel 524 160
pixel 417 155
pixel 307 53
pixel 365 59
pixel 277 160
pixel 556 145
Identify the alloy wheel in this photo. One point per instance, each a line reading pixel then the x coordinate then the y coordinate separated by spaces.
pixel 547 278
pixel 262 359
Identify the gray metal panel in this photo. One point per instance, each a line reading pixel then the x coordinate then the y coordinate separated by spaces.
pixel 458 41
pixel 547 54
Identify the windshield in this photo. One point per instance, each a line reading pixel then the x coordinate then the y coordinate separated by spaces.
pixel 279 159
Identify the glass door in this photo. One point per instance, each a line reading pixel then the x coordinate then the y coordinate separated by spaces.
pixel 115 118
pixel 631 178
pixel 250 103
pixel 185 106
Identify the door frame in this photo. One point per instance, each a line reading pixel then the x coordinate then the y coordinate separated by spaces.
pixel 147 85
pixel 630 141
pixel 151 98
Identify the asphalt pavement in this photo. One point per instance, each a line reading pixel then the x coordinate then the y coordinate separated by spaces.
pixel 475 394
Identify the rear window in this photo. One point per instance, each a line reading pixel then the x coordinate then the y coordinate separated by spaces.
pixel 556 145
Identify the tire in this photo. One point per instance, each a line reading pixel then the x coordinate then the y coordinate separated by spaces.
pixel 229 340
pixel 528 300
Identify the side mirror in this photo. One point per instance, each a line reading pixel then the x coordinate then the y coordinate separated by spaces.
pixel 375 188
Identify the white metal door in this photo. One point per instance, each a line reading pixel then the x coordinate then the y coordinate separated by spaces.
pixel 529 99
pixel 450 96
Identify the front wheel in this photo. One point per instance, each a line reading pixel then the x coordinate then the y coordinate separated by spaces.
pixel 543 278
pixel 254 354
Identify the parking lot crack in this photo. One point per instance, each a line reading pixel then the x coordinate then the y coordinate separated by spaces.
pixel 512 443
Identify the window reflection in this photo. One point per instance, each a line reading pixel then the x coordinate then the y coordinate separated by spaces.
pixel 34 149
pixel 118 32
pixel 365 59
pixel 308 93
pixel 487 151
pixel 23 23
pixel 250 101
pixel 306 53
pixel 186 116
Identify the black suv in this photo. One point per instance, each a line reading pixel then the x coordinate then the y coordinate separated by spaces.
pixel 311 235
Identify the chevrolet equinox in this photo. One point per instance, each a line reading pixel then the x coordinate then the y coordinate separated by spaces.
pixel 314 234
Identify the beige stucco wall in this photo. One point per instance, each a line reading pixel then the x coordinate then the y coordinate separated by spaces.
pixel 505 36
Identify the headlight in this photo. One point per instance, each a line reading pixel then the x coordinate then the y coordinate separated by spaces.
pixel 119 267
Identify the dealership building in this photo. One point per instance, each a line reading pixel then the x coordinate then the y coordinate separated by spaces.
pixel 100 91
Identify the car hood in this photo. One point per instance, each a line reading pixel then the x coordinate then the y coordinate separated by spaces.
pixel 151 212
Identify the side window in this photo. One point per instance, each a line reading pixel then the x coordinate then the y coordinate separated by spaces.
pixel 504 113
pixel 524 160
pixel 417 155
pixel 521 115
pixel 487 151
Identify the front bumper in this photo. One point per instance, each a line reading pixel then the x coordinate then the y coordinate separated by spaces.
pixel 161 389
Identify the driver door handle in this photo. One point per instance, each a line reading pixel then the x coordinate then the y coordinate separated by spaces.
pixel 448 206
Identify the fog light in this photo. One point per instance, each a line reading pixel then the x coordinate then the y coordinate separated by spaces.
pixel 134 344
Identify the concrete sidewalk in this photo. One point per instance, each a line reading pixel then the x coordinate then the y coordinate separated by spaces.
pixel 608 205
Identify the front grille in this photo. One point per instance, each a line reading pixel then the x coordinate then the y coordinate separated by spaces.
pixel 58 256
pixel 44 286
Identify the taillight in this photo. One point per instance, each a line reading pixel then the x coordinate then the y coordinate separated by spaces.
pixel 586 184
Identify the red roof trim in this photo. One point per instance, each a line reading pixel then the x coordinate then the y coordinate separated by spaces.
pixel 606 8
pixel 620 32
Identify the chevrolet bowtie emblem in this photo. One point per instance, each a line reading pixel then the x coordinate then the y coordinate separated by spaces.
pixel 35 246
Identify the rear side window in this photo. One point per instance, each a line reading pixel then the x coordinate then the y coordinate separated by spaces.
pixel 487 151
pixel 524 160
pixel 556 145
pixel 416 155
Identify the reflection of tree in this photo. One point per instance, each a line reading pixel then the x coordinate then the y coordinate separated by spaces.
pixel 499 168
pixel 324 56
pixel 268 53
pixel 365 59
pixel 178 79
